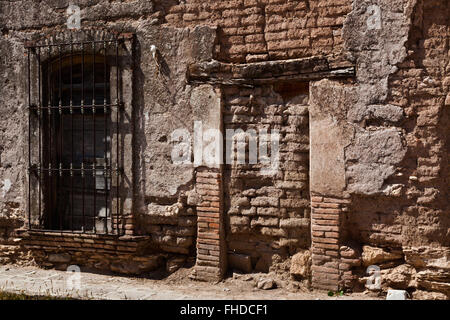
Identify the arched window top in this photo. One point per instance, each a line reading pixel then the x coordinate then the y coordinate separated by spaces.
pixel 75 79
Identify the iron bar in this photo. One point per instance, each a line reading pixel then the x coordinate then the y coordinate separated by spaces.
pixel 82 130
pixel 71 134
pixel 93 119
pixel 49 124
pixel 56 170
pixel 88 106
pixel 39 132
pixel 117 134
pixel 69 43
pixel 29 139
pixel 59 207
pixel 105 140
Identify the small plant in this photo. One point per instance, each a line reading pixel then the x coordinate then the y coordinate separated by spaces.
pixel 335 293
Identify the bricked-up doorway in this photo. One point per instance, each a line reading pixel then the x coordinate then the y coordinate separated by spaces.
pixel 266 217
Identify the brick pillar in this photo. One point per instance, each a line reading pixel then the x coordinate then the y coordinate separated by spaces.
pixel 211 257
pixel 326 236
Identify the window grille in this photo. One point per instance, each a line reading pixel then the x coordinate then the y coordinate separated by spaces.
pixel 75 108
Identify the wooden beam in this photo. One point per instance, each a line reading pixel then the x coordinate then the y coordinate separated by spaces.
pixel 306 69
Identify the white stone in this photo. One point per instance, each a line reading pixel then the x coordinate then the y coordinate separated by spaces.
pixel 396 295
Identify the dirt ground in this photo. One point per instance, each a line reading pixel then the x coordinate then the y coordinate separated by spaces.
pixel 177 286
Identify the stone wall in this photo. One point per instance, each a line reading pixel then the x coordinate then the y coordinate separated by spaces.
pixel 416 217
pixel 370 149
pixel 126 255
pixel 389 135
pixel 258 30
pixel 268 213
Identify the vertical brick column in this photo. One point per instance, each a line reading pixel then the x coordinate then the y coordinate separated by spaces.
pixel 326 232
pixel 211 258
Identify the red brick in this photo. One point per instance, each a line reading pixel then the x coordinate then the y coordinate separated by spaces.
pixel 325 228
pixel 208 210
pixel 325 245
pixel 345 201
pixel 332 234
pixel 325 240
pixel 208 235
pixel 208 241
pixel 332 253
pixel 207 246
pixel 207 257
pixel 318 270
pixel 325 216
pixel 329 205
pixel 325 222
pixel 210 181
pixel 214 225
pixel 326 211
pixel 205 217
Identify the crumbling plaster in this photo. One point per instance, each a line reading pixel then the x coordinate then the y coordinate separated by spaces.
pixel 352 126
pixel 165 103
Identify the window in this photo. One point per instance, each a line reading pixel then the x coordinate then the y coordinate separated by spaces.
pixel 74 112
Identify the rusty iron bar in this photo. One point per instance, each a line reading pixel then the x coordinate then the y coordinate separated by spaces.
pixel 29 138
pixel 82 134
pixel 105 140
pixel 71 134
pixel 39 133
pixel 93 120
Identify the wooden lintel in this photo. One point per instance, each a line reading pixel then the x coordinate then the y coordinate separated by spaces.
pixel 306 69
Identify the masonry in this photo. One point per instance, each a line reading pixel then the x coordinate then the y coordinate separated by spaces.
pixel 358 91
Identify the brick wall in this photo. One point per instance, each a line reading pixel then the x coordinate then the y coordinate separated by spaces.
pixel 328 268
pixel 211 260
pixel 278 213
pixel 126 254
pixel 257 30
pixel 419 213
pixel 9 246
pixel 173 227
pixel 268 215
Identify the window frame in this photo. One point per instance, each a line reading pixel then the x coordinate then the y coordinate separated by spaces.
pixel 36 113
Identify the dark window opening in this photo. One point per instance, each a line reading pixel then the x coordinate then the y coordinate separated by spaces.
pixel 77 140
pixel 71 126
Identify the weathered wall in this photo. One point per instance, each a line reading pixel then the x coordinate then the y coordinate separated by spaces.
pixel 258 30
pixel 414 215
pixel 241 31
pixel 417 218
pixel 161 102
pixel 392 137
pixel 165 103
pixel 12 155
pixel 267 215
pixel 379 147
